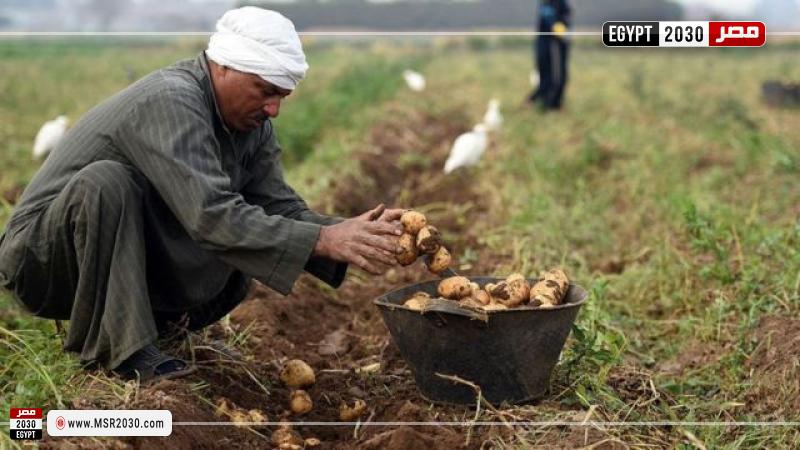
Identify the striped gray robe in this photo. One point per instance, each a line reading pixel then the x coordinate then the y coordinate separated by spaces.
pixel 150 209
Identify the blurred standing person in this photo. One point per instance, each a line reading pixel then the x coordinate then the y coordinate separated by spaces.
pixel 551 52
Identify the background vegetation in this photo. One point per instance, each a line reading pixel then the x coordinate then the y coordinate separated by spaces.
pixel 665 186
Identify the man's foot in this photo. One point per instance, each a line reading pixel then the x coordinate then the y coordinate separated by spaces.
pixel 224 350
pixel 148 364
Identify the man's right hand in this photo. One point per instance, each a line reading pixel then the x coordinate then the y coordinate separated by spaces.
pixel 364 241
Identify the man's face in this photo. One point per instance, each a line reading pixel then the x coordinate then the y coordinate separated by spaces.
pixel 246 100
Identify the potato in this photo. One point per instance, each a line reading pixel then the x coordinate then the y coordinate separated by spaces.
pixel 408 250
pixel 239 418
pixel 296 373
pixel 439 260
pixel 413 222
pixel 420 295
pixel 348 414
pixel 256 415
pixel 428 240
pixel 509 294
pixel 418 301
pixel 284 435
pixel 518 288
pixel 300 402
pixel 454 288
pixel 223 409
pixel 237 415
pixel 481 296
pixel 550 289
pixel 513 277
pixel 499 292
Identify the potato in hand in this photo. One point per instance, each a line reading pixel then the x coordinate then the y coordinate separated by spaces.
pixel 439 261
pixel 407 251
pixel 429 240
pixel 413 221
pixel 418 239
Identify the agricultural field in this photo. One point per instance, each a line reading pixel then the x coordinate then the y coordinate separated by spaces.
pixel 665 187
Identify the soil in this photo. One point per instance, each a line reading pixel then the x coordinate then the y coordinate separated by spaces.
pixel 693 356
pixel 775 368
pixel 337 331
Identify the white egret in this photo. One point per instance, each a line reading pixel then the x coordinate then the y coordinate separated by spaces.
pixel 534 78
pixel 48 136
pixel 467 149
pixel 493 119
pixel 414 80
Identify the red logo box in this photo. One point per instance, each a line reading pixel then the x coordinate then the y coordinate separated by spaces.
pixel 736 34
pixel 26 413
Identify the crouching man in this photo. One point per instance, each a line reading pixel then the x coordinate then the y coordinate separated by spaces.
pixel 164 200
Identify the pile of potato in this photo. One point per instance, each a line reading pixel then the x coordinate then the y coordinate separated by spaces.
pixel 298 375
pixel 513 292
pixel 419 239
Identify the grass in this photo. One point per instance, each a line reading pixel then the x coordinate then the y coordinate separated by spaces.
pixel 664 161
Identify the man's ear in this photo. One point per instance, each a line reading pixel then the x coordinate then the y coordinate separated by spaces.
pixel 220 70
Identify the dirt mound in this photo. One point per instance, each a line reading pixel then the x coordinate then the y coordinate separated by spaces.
pixel 775 365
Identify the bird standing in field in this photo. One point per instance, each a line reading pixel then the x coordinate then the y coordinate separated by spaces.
pixel 493 119
pixel 467 149
pixel 48 136
pixel 533 79
pixel 414 80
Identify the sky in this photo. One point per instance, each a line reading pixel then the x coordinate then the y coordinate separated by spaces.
pixel 729 6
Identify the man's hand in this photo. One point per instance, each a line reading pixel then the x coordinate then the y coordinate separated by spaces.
pixel 369 241
pixel 381 214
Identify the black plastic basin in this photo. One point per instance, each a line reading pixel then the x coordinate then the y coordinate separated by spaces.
pixel 510 354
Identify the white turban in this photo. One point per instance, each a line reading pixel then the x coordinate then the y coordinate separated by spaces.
pixel 259 41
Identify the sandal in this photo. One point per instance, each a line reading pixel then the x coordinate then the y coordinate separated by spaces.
pixel 149 364
pixel 219 346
